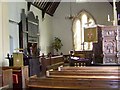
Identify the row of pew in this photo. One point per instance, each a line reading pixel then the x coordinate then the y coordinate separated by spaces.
pixel 6 79
pixel 13 77
pixel 51 63
pixel 78 78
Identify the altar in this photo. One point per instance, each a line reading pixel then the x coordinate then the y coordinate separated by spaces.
pixel 81 58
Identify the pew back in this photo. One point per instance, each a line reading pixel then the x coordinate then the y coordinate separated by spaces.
pixel 76 74
pixel 91 68
pixel 51 63
pixel 77 80
pixel 71 83
pixel 83 72
pixel 6 79
pixel 22 74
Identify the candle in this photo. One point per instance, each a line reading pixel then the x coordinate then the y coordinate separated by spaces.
pixel 59 69
pixel 47 73
pixel 108 17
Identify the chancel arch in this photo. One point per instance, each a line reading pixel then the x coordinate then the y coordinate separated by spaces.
pixel 82 20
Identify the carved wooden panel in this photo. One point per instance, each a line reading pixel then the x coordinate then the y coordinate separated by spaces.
pixel 105 51
pixel 118 39
pixel 23 30
pixel 109 46
pixel 110 59
pixel 109 43
pixel 32 28
pixel 107 29
pixel 108 33
pixel 118 60
pixel 28 29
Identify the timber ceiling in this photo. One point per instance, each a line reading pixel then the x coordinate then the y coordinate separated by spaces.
pixel 47 6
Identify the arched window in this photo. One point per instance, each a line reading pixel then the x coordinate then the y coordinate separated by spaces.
pixel 84 19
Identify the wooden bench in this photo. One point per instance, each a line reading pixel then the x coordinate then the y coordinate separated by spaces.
pixel 51 63
pixel 6 79
pixel 91 68
pixel 78 83
pixel 79 74
pixel 21 75
pixel 77 80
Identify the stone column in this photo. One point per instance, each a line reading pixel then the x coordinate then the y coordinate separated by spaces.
pixel 115 21
pixel 4 32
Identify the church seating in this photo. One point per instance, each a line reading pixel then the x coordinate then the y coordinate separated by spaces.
pixel 79 74
pixel 6 79
pixel 91 68
pixel 77 80
pixel 51 63
pixel 19 73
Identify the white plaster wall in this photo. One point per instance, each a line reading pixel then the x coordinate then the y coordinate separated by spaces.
pixel 45 26
pixel 1 34
pixel 5 32
pixel 12 12
pixel 14 15
pixel 62 26
pixel 15 10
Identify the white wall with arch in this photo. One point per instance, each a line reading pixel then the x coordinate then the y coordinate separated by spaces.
pixel 62 27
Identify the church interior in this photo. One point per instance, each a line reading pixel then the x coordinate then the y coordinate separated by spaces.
pixel 59 44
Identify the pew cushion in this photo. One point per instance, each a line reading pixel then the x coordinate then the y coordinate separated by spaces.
pixel 15 78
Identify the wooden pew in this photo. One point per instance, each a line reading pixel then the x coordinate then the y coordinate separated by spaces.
pixel 81 72
pixel 22 74
pixel 77 80
pixel 103 83
pixel 6 79
pixel 91 68
pixel 51 63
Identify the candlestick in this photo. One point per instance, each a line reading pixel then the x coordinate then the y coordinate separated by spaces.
pixel 59 69
pixel 47 73
pixel 108 17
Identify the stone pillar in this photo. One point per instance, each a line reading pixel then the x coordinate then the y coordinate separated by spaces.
pixel 115 21
pixel 4 35
pixel 1 34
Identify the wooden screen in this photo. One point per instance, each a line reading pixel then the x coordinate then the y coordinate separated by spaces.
pixel 28 29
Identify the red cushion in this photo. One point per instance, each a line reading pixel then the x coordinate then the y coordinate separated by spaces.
pixel 15 78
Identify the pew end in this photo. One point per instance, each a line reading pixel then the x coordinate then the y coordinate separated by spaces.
pixel 21 74
pixel 6 79
pixel 51 63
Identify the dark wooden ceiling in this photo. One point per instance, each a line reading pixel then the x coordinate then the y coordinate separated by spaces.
pixel 47 6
